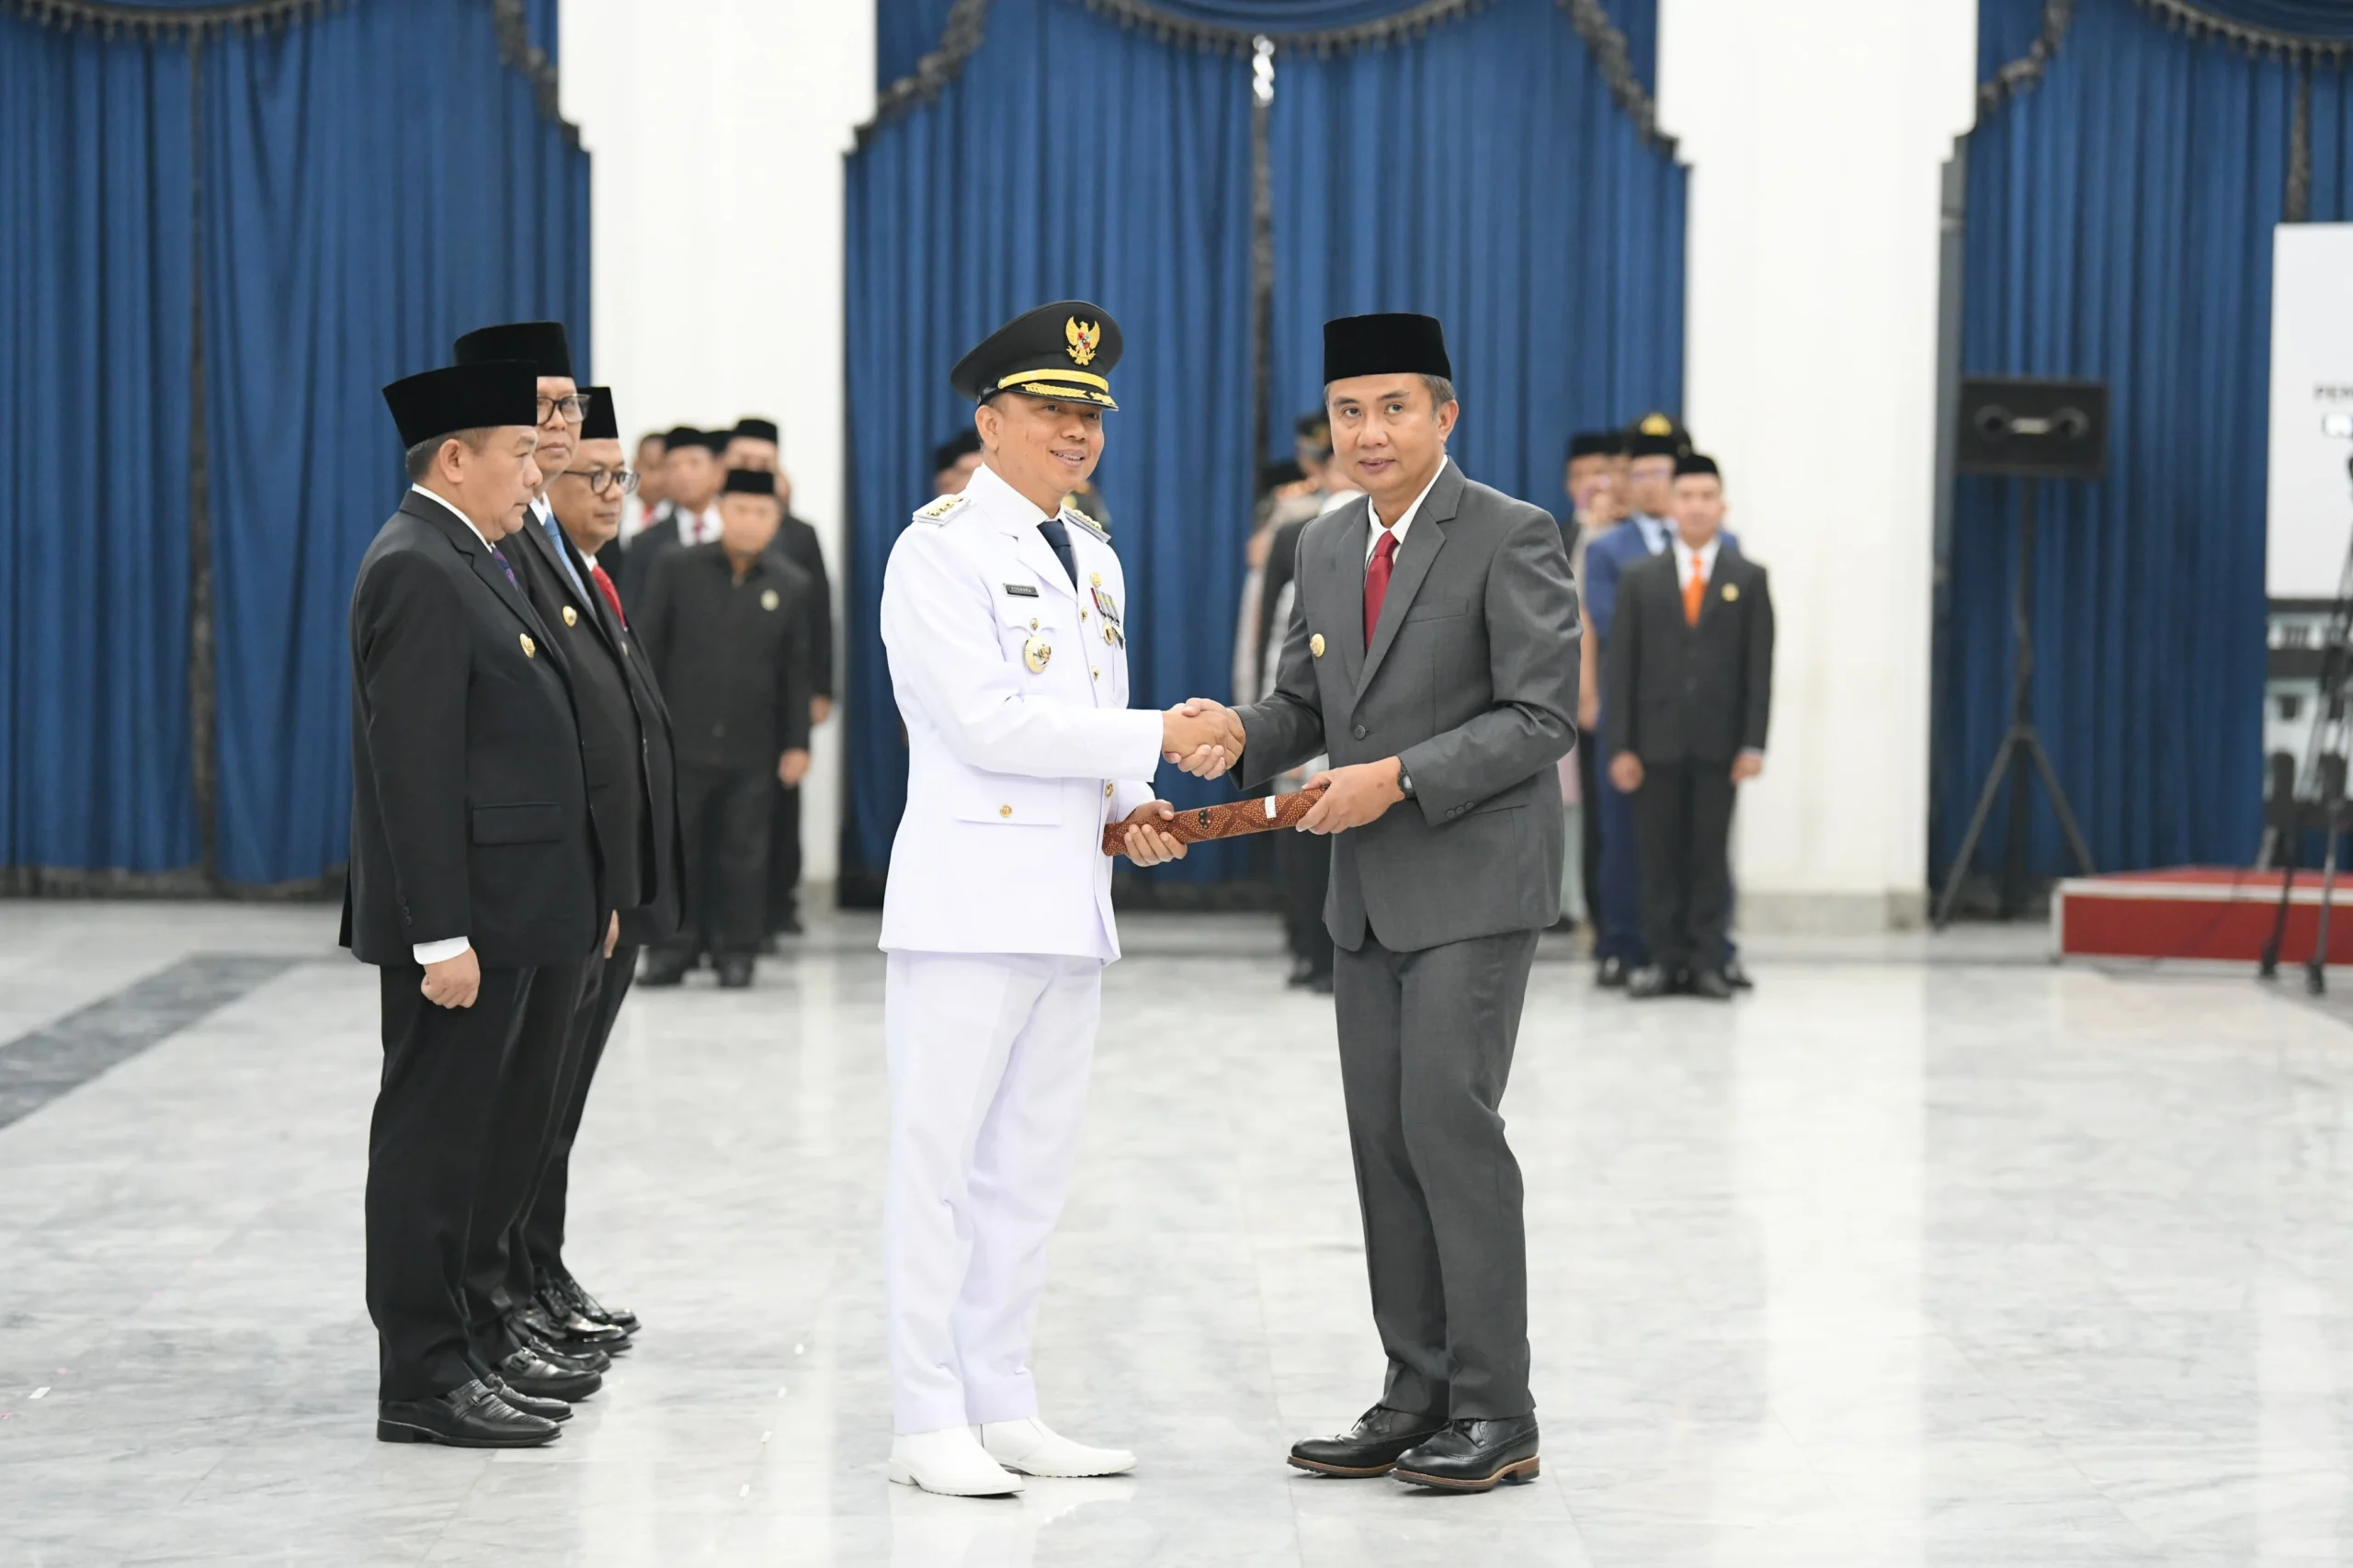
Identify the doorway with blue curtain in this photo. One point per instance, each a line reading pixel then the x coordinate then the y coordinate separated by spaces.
pixel 2129 161
pixel 1198 168
pixel 234 223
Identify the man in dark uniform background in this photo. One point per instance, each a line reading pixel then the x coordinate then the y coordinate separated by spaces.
pixel 726 629
pixel 755 446
pixel 689 517
pixel 474 881
pixel 625 738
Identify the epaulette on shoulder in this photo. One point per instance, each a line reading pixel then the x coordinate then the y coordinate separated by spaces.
pixel 939 511
pixel 1079 520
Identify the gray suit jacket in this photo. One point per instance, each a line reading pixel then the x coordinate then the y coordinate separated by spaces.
pixel 1471 678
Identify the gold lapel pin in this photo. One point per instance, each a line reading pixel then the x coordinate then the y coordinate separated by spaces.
pixel 1732 592
pixel 1315 644
pixel 571 615
pixel 768 599
pixel 530 649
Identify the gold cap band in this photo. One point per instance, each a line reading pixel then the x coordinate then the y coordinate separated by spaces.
pixel 1023 377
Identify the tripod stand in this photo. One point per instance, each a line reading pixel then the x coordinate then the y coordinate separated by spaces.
pixel 2322 782
pixel 2021 749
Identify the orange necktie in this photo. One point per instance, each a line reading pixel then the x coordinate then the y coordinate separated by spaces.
pixel 1695 592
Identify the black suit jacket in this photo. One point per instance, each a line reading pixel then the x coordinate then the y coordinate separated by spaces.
pixel 470 804
pixel 1681 693
pixel 655 539
pixel 732 657
pixel 797 541
pixel 624 733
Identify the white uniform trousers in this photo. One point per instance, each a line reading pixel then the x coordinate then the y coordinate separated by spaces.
pixel 989 1056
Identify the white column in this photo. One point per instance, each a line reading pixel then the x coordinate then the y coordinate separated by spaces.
pixel 717 129
pixel 1817 131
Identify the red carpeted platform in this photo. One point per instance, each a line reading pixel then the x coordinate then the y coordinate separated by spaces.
pixel 2195 912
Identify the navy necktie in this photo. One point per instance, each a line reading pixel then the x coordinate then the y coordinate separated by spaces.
pixel 495 554
pixel 1057 534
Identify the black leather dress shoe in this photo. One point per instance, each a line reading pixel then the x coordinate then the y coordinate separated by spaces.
pixel 1472 1456
pixel 666 969
pixel 582 1358
pixel 567 1330
pixel 591 1309
pixel 468 1416
pixel 788 925
pixel 1610 973
pixel 529 1404
pixel 1738 976
pixel 1369 1446
pixel 1648 982
pixel 736 971
pixel 1710 984
pixel 527 1371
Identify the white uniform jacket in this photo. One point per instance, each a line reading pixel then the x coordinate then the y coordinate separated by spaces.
pixel 1013 685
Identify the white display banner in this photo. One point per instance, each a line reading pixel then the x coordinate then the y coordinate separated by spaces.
pixel 2310 507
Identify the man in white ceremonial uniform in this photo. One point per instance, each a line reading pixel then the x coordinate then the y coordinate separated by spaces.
pixel 1004 616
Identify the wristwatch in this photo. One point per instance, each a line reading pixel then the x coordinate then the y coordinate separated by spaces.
pixel 1404 781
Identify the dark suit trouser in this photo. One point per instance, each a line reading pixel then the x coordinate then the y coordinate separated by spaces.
pixel 1303 863
pixel 1426 1049
pixel 522 1114
pixel 724 820
pixel 541 1248
pixel 1617 910
pixel 1683 817
pixel 428 1143
pixel 784 858
pixel 1589 823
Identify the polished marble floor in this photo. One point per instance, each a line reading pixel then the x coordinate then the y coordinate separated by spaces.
pixel 1926 1253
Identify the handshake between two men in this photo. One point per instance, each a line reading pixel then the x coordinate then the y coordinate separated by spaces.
pixel 1206 739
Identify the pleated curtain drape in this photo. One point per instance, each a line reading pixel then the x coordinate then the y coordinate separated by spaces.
pixel 1071 153
pixel 220 252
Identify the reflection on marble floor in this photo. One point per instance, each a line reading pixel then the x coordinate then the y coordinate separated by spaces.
pixel 1926 1253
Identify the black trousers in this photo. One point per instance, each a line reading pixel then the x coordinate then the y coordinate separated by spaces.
pixel 522 1113
pixel 1589 821
pixel 1683 831
pixel 1425 1049
pixel 784 858
pixel 1303 865
pixel 723 816
pixel 538 1247
pixel 428 1141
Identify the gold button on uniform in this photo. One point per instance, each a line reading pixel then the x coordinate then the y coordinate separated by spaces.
pixel 1005 811
pixel 1096 674
pixel 1315 644
pixel 1106 791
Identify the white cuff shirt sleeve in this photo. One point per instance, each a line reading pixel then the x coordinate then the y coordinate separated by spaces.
pixel 439 952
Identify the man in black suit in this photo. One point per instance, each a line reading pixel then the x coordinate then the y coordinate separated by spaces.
pixel 755 446
pixel 1689 677
pixel 689 517
pixel 725 625
pixel 625 737
pixel 473 884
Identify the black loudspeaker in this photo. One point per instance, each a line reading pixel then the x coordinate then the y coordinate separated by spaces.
pixel 2033 429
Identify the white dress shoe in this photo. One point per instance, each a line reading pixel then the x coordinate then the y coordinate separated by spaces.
pixel 1035 1448
pixel 950 1462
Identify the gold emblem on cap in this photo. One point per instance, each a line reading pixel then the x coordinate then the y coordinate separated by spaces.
pixel 530 649
pixel 1658 424
pixel 1035 652
pixel 768 599
pixel 1732 592
pixel 1085 338
pixel 1315 644
pixel 571 615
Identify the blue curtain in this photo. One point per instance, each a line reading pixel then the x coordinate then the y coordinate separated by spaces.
pixel 361 187
pixel 2304 18
pixel 96 283
pixel 2118 228
pixel 1076 158
pixel 1517 203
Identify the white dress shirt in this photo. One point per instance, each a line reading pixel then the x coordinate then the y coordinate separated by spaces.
pixel 1686 558
pixel 1372 516
pixel 448 947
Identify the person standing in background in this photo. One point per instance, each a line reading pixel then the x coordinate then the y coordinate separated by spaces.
pixel 756 446
pixel 689 515
pixel 1589 480
pixel 725 625
pixel 638 506
pixel 1690 677
pixel 952 462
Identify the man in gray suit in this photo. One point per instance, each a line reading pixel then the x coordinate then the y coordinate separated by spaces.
pixel 1433 653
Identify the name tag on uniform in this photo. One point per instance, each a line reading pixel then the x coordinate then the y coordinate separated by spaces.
pixel 1022 590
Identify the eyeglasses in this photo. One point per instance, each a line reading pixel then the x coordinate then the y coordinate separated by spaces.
pixel 572 408
pixel 605 480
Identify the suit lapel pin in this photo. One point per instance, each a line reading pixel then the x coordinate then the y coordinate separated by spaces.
pixel 571 615
pixel 768 599
pixel 1315 644
pixel 530 649
pixel 1732 592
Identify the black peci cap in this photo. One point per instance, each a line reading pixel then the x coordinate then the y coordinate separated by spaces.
pixel 749 482
pixel 600 423
pixel 463 397
pixel 759 430
pixel 542 342
pixel 1689 463
pixel 955 450
pixel 1597 444
pixel 1656 435
pixel 684 436
pixel 1063 350
pixel 1398 343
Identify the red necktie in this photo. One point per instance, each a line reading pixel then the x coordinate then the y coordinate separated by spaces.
pixel 612 595
pixel 1376 583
